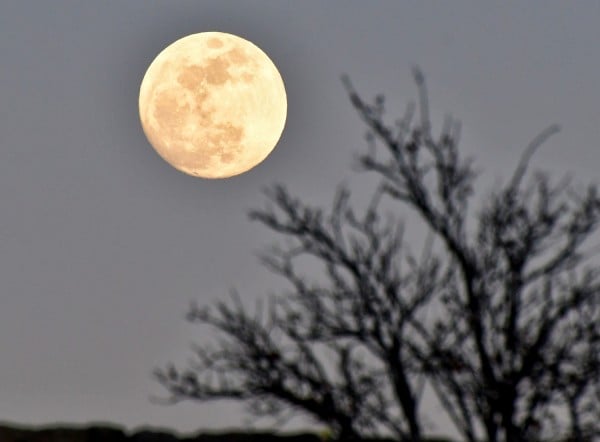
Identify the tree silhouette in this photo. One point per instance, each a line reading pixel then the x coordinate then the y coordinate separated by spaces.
pixel 513 349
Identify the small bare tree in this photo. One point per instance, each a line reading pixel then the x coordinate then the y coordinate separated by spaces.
pixel 513 349
pixel 332 348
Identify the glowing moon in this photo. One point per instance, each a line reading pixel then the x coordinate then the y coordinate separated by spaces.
pixel 212 105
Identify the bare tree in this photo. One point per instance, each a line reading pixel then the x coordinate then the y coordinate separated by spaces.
pixel 518 342
pixel 513 349
pixel 332 348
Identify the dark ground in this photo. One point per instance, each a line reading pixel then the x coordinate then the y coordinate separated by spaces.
pixel 108 433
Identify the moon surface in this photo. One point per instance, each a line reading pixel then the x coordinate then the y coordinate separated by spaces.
pixel 213 105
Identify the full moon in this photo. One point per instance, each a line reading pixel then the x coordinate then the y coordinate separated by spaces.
pixel 212 105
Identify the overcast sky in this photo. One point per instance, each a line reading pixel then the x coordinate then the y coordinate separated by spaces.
pixel 103 245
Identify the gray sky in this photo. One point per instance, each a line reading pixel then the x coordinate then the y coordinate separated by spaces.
pixel 103 245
